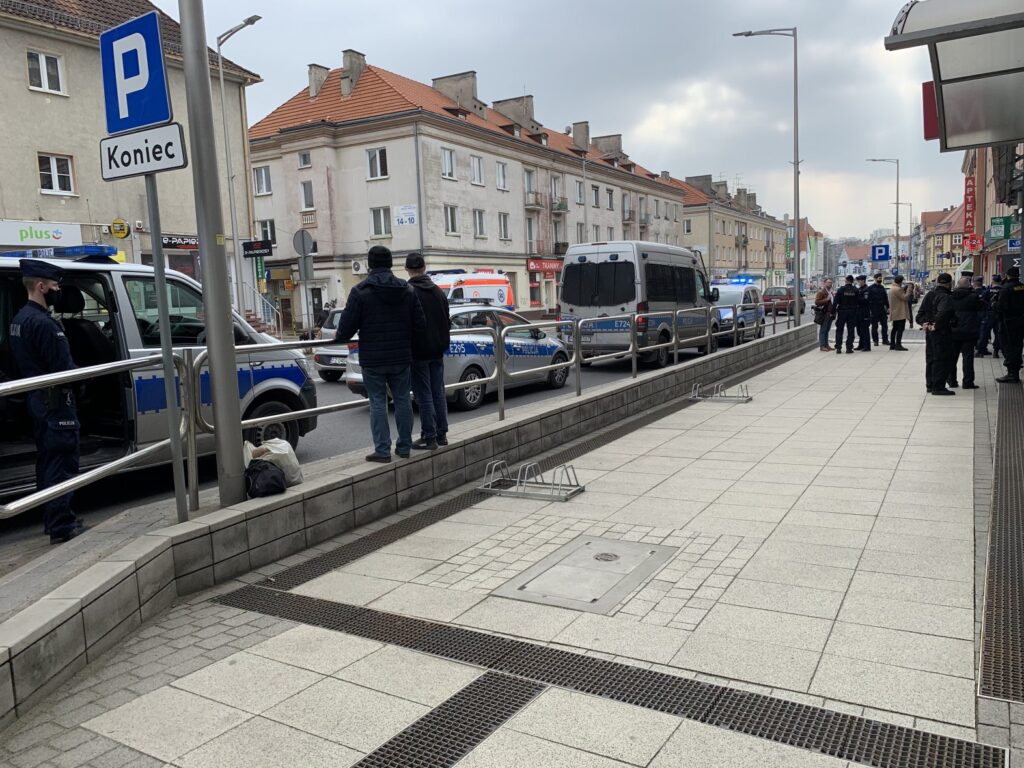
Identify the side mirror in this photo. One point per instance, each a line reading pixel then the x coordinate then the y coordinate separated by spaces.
pixel 714 294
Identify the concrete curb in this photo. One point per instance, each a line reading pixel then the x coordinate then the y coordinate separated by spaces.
pixel 46 643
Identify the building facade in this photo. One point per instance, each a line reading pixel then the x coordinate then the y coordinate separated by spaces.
pixel 990 171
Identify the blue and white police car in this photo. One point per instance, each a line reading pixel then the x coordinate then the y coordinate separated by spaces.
pixel 471 356
pixel 750 320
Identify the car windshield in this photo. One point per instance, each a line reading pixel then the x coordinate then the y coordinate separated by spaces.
pixel 728 295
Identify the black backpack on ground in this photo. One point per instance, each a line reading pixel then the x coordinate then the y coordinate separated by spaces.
pixel 263 479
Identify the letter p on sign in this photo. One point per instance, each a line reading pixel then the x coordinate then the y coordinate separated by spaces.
pixel 135 92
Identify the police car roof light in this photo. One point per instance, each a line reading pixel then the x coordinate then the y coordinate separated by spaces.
pixel 77 252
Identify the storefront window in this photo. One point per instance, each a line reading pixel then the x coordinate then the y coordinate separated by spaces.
pixel 535 289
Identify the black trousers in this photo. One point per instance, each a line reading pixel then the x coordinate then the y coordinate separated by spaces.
pixel 56 433
pixel 898 326
pixel 964 350
pixel 882 321
pixel 845 319
pixel 937 356
pixel 1013 341
pixel 863 330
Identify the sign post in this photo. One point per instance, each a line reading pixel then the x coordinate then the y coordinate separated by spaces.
pixel 137 101
pixel 302 242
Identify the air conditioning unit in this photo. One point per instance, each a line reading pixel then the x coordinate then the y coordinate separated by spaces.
pixel 358 267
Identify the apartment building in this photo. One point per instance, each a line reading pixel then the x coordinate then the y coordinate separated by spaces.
pixel 942 235
pixel 362 156
pixel 991 170
pixel 51 192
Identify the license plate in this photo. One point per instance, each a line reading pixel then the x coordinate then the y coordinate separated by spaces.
pixel 336 361
pixel 585 339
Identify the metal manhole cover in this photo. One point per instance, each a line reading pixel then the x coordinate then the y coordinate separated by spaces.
pixel 588 574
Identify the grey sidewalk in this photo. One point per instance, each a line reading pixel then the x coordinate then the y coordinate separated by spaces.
pixel 811 561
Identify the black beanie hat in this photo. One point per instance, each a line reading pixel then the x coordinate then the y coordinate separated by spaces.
pixel 379 256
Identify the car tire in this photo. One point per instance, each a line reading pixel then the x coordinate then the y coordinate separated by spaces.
pixel 330 375
pixel 471 398
pixel 760 330
pixel 741 334
pixel 557 378
pixel 662 357
pixel 713 343
pixel 289 430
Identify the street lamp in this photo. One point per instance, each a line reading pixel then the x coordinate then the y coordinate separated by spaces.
pixel 895 160
pixel 790 32
pixel 237 256
pixel 910 253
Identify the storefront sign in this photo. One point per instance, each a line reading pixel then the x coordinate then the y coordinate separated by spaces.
pixel 969 205
pixel 544 265
pixel 1002 226
pixel 41 233
pixel 181 242
pixel 257 249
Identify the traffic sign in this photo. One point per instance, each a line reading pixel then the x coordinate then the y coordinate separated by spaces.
pixel 147 151
pixel 1014 245
pixel 879 252
pixel 135 91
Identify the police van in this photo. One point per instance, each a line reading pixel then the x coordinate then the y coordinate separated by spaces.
pixel 604 280
pixel 109 313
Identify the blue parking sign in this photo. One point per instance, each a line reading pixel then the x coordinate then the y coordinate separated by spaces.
pixel 135 92
pixel 879 252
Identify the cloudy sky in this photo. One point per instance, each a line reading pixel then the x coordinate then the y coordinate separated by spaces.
pixel 667 74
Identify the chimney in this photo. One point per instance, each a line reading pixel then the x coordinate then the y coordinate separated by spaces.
pixel 741 198
pixel 460 88
pixel 609 145
pixel 720 189
pixel 519 110
pixel 354 63
pixel 581 135
pixel 703 183
pixel 666 175
pixel 317 75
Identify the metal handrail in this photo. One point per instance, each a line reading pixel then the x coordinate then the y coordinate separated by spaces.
pixel 630 350
pixel 18 506
pixel 267 304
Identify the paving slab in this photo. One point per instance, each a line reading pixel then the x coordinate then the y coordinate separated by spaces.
pixel 695 745
pixel 315 649
pixel 409 675
pixel 248 682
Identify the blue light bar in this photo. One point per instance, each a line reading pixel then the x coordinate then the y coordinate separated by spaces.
pixel 65 252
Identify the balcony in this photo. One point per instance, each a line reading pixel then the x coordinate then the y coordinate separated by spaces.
pixel 644 219
pixel 628 216
pixel 559 205
pixel 308 219
pixel 537 248
pixel 534 200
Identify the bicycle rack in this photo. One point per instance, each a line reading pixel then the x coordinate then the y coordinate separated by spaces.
pixel 529 482
pixel 720 395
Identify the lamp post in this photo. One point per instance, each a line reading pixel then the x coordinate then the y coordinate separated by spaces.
pixel 237 255
pixel 895 160
pixel 910 252
pixel 791 32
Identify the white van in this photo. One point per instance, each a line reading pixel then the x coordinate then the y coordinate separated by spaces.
pixel 602 280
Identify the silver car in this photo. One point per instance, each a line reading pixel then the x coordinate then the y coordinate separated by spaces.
pixel 330 360
pixel 471 356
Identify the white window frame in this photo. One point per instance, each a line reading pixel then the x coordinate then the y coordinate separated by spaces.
pixel 687 227
pixel 55 176
pixel 595 194
pixel 609 195
pixel 503 226
pixel 479 223
pixel 581 232
pixel 380 221
pixel 447 163
pixel 611 233
pixel 377 154
pixel 44 77
pixel 309 159
pixel 476 170
pixel 581 194
pixel 267 230
pixel 625 203
pixel 501 175
pixel 596 229
pixel 529 180
pixel 261 173
pixel 958 239
pixel 675 212
pixel 657 208
pixel 311 205
pixel 451 219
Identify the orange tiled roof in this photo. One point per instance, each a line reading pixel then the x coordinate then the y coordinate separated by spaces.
pixel 930 219
pixel 953 221
pixel 858 252
pixel 691 195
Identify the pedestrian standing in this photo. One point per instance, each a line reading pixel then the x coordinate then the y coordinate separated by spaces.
pixel 845 303
pixel 1010 316
pixel 39 346
pixel 386 314
pixel 899 313
pixel 913 296
pixel 934 317
pixel 984 294
pixel 428 349
pixel 997 331
pixel 863 315
pixel 967 322
pixel 878 309
pixel 824 313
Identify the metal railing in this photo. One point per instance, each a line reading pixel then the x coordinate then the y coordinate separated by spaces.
pixel 269 313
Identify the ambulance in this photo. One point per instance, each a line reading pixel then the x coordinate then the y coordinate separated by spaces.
pixel 492 287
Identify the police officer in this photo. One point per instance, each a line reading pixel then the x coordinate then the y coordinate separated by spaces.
pixel 986 317
pixel 997 331
pixel 846 305
pixel 863 315
pixel 39 347
pixel 1010 315
pixel 934 317
pixel 878 308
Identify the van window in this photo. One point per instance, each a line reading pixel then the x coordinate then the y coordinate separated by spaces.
pixel 188 323
pixel 670 284
pixel 686 285
pixel 599 285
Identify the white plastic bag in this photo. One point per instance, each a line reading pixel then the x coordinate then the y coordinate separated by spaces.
pixel 276 451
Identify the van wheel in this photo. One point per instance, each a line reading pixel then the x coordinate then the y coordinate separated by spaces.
pixel 471 398
pixel 661 356
pixel 287 430
pixel 330 375
pixel 760 330
pixel 713 344
pixel 557 379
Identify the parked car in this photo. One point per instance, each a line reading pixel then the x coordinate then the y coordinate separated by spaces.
pixel 330 360
pixel 471 356
pixel 780 299
pixel 751 319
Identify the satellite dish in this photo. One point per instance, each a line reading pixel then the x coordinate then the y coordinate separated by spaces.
pixel 568 130
pixel 358 268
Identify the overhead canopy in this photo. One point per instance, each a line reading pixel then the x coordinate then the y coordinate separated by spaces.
pixel 977 57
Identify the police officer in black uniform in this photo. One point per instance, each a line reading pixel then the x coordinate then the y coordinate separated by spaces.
pixel 846 304
pixel 878 308
pixel 39 347
pixel 1009 310
pixel 863 315
pixel 935 317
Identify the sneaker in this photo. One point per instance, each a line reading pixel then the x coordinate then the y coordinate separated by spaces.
pixel 425 444
pixel 943 392
pixel 442 440
pixel 379 459
pixel 971 386
pixel 402 455
pixel 1009 379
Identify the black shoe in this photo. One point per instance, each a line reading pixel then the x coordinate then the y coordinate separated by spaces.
pixel 995 355
pixel 971 386
pixel 442 440
pixel 839 351
pixel 379 459
pixel 425 444
pixel 402 455
pixel 901 348
pixel 952 385
pixel 68 535
pixel 943 392
pixel 1008 379
pixel 983 353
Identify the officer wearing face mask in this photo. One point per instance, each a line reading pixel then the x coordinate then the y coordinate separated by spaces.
pixel 39 347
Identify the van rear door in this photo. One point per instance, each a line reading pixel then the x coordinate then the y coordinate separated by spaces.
pixel 600 282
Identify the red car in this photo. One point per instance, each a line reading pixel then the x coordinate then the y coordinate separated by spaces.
pixel 780 299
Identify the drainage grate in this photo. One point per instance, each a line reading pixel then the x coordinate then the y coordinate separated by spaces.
pixel 1002 634
pixel 840 735
pixel 454 728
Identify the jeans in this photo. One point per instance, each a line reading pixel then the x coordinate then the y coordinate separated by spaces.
pixel 985 332
pixel 428 386
pixel 377 381
pixel 823 331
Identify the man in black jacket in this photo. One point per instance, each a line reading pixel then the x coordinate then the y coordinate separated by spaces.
pixel 878 308
pixel 935 316
pixel 386 314
pixel 846 304
pixel 428 350
pixel 968 307
pixel 1009 308
pixel 863 315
